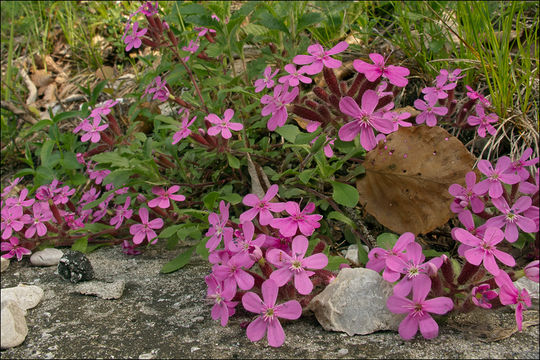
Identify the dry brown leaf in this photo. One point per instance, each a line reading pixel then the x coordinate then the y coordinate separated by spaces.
pixel 50 94
pixel 41 78
pixel 406 183
pixel 105 73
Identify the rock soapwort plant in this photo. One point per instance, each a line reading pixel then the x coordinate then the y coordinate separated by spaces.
pixel 301 131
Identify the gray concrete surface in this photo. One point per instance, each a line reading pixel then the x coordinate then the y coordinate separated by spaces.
pixel 166 316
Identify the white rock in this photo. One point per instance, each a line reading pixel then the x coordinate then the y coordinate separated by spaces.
pixel 104 290
pixel 355 303
pixel 14 329
pixel 46 257
pixel 531 287
pixel 352 253
pixel 5 264
pixel 26 296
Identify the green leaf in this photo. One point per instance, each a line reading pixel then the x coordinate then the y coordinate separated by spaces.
pixel 38 126
pixel 168 120
pixel 112 158
pixel 434 253
pixel 318 144
pixel 65 115
pixel 24 172
pixel 46 151
pixel 97 90
pixel 306 138
pixel 70 161
pixel 386 240
pixel 266 19
pixel 80 244
pixel 118 178
pixel 233 161
pixel 340 217
pixel 209 200
pixel 169 231
pixel 522 240
pixel 307 19
pixel 92 247
pixel 201 249
pixel 233 198
pixel 305 175
pixel 178 262
pixel 334 262
pixel 97 202
pixel 289 132
pixel 362 253
pixel 344 194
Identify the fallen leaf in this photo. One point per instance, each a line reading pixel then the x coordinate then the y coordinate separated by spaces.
pixel 41 78
pixel 407 178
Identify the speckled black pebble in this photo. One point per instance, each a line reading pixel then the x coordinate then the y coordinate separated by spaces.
pixel 74 266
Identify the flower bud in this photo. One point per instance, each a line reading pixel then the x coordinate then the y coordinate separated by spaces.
pixel 531 271
pixel 256 254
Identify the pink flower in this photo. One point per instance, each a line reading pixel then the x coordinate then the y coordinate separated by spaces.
pixel 10 187
pixel 484 250
pixel 394 74
pixel 530 187
pixel 223 126
pixel 510 295
pixel 63 195
pixel 378 256
pixel 484 121
pixel 146 228
pixel 518 166
pixel 328 151
pixel 496 177
pixel 453 76
pixel 93 130
pixel 245 244
pixel 184 131
pixel 122 213
pixel 295 265
pixel 418 310
pixel 276 105
pixel 473 95
pixel 266 82
pixel 466 196
pixel 269 313
pixel 192 47
pixel 511 217
pixel 531 271
pixel 98 175
pixel 413 267
pixel 381 93
pixel 319 58
pixel 160 91
pixel 231 272
pixel 429 110
pixel 223 306
pixel 21 201
pixel 14 249
pixel 203 31
pixel 129 249
pixel 297 220
pixel 42 214
pixel 148 9
pixel 163 197
pixel 397 119
pixel 218 228
pixel 365 120
pixel 481 295
pixel 466 219
pixel 295 76
pixel 261 207
pixel 133 41
pixel 440 89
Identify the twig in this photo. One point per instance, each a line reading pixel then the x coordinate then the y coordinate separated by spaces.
pixel 32 96
pixel 20 112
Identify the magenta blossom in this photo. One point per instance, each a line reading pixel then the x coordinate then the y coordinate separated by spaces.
pixel 62 197
pixel 232 273
pixel 429 110
pixel 223 126
pixel 295 76
pixel 184 131
pixel 129 249
pixel 21 201
pixel 530 187
pixel 164 195
pixel 266 82
pixel 378 256
pixel 133 41
pixel 511 217
pixel 397 119
pixel 418 310
pixel 518 166
pixel 223 306
pixel 365 120
pixel 146 228
pixel 466 196
pixel 295 265
pixel 328 151
pixel 93 130
pixel 122 212
pixel 261 207
pixel 104 109
pixel 467 220
pixel 42 214
pixel 320 58
pixel 440 89
pixel 245 244
pixel 202 31
pixel 297 220
pixel 484 250
pixel 267 322
pixel 531 271
pixel 413 267
pixel 276 105
pixel 510 295
pixel 481 295
pixel 10 187
pixel 218 228
pixel 497 176
pixel 483 121
pixel 394 74
pixel 192 47
pixel 473 95
pixel 158 88
pixel 14 249
pixel 452 76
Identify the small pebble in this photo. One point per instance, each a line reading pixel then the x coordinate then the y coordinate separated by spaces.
pixel 343 352
pixel 194 348
pixel 46 257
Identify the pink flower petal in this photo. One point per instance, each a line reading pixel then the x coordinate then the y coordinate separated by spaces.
pixel 281 276
pixel 276 335
pixel 408 327
pixel 428 327
pixel 316 261
pixel 302 283
pixel 252 302
pixel 291 310
pixel 256 329
pixel 269 291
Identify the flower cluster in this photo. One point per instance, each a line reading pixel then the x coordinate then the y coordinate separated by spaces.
pixel 279 246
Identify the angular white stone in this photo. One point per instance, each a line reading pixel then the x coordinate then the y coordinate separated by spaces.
pixel 355 303
pixel 46 257
pixel 352 253
pixel 5 264
pixel 13 323
pixel 26 296
pixel 107 291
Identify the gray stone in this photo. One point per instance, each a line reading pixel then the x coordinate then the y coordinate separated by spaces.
pixel 352 253
pixel 355 303
pixel 74 266
pixel 531 287
pixel 343 352
pixel 25 296
pixel 5 264
pixel 14 328
pixel 104 290
pixel 46 257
